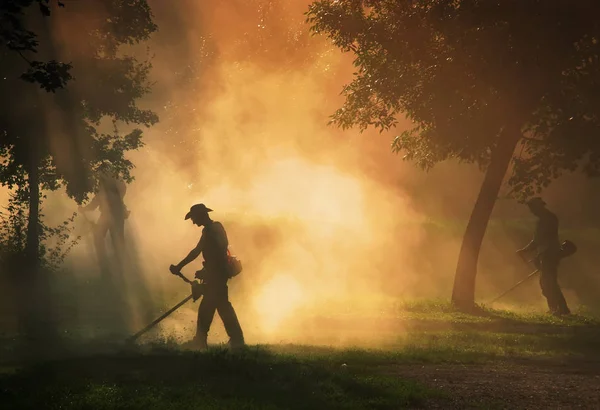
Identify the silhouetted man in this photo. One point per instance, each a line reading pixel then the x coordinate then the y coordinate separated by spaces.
pixel 213 245
pixel 547 244
pixel 113 213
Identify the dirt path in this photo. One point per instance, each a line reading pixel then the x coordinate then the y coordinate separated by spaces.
pixel 514 385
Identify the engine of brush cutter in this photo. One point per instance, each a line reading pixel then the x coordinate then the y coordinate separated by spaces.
pixel 567 248
pixel 197 290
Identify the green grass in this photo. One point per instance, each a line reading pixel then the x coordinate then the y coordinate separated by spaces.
pixel 166 375
pixel 455 346
pixel 257 378
pixel 475 346
pixel 442 311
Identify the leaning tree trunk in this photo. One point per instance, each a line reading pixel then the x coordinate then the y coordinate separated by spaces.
pixel 463 293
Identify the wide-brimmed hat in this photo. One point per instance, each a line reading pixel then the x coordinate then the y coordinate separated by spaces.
pixel 197 210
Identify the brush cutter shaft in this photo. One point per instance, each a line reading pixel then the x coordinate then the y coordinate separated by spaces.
pixel 517 284
pixel 186 280
pixel 157 321
pixel 196 293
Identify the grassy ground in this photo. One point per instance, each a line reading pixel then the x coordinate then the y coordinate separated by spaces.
pixel 416 369
pixel 442 311
pixel 170 379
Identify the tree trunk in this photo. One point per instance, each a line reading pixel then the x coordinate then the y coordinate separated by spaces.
pixel 29 268
pixel 32 247
pixel 36 321
pixel 463 293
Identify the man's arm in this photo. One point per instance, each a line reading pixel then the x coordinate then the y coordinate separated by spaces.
pixel 194 253
pixel 534 242
pixel 531 245
pixel 121 187
pixel 94 203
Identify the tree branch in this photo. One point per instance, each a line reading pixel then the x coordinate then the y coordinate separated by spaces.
pixel 532 139
pixel 23 57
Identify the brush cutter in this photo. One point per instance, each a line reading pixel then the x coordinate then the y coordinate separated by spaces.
pixel 567 248
pixel 532 274
pixel 197 291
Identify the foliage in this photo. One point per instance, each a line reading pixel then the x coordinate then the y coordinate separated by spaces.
pixel 50 75
pixel 464 70
pixel 69 141
pixel 13 225
pixel 55 242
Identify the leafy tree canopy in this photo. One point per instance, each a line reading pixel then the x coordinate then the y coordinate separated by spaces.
pixel 62 133
pixel 465 70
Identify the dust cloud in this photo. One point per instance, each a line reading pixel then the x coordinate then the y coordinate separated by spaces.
pixel 318 237
pixel 315 235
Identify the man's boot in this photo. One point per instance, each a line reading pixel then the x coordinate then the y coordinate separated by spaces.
pixel 199 342
pixel 236 343
pixel 563 311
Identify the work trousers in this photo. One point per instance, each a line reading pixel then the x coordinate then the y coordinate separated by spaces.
pixel 549 284
pixel 216 298
pixel 116 227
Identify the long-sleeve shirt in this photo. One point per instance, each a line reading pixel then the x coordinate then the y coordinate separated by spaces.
pixel 214 243
pixel 109 199
pixel 545 237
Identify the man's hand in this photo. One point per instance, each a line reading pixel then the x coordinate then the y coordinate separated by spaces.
pixel 201 274
pixel 175 269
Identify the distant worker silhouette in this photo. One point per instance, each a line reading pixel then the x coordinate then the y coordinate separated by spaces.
pixel 546 242
pixel 213 245
pixel 113 213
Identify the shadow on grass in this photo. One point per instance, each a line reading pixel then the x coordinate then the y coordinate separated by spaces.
pixel 252 379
